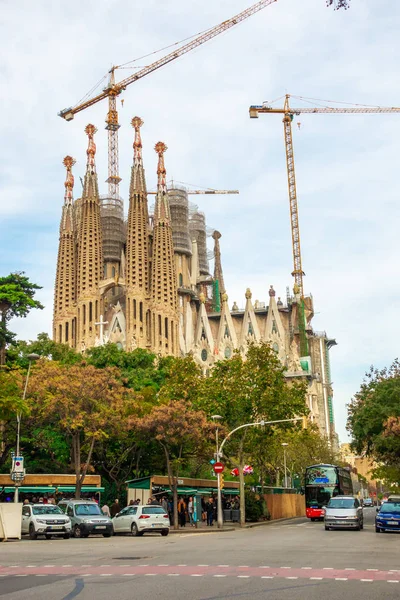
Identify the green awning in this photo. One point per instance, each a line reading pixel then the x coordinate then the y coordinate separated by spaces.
pixel 143 483
pixel 85 488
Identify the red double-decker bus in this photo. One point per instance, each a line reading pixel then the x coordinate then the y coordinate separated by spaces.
pixel 321 483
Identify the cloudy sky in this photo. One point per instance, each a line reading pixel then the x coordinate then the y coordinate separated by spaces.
pixel 53 54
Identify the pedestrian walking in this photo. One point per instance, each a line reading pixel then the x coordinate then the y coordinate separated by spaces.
pixel 115 508
pixel 164 503
pixel 105 509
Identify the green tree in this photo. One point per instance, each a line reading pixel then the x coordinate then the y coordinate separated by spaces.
pixel 18 352
pixel 85 403
pixel 182 434
pixel 16 300
pixel 374 418
pixel 247 391
pixel 11 405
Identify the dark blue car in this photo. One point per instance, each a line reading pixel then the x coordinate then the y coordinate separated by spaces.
pixel 388 517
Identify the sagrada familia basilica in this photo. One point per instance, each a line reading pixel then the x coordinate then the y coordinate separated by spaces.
pixel 145 283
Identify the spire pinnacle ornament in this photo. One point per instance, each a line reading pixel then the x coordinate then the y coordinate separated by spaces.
pixel 90 130
pixel 137 144
pixel 161 148
pixel 68 163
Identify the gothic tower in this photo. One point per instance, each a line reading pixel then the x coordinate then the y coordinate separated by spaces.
pixel 64 323
pixel 90 250
pixel 137 253
pixel 164 296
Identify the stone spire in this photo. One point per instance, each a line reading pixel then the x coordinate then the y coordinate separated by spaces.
pixel 65 288
pixel 164 294
pixel 90 249
pixel 218 275
pixel 137 251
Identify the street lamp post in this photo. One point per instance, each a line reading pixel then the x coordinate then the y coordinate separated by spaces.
pixel 219 451
pixel 219 495
pixel 285 444
pixel 32 358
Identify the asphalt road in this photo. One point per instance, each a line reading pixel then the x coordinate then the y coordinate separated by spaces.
pixel 293 559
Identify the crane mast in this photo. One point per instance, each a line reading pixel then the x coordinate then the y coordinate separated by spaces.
pixel 288 114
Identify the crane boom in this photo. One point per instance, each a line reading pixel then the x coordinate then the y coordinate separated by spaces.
pixel 288 113
pixel 114 89
pixel 206 192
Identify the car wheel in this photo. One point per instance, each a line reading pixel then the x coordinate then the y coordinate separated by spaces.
pixel 134 530
pixel 107 534
pixel 327 528
pixel 48 536
pixel 165 532
pixel 312 519
pixel 32 532
pixel 78 532
pixel 66 536
pixel 378 530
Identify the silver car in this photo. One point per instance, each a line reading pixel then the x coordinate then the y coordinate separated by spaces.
pixel 344 512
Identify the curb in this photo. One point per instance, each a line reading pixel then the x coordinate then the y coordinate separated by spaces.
pixel 195 530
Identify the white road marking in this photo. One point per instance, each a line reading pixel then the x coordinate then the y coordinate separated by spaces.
pixel 392 581
pixel 173 574
pixel 264 567
pixel 316 578
pixel 41 575
pixel 150 574
pixel 224 566
pixel 291 577
pixel 328 568
pixel 47 566
pixel 308 568
pixel 349 569
pixel 341 579
pixel 66 566
pixel 266 577
pixel 372 569
pixel 243 576
pixel 202 565
pixel 182 565
pixel 367 580
pixel 105 574
pixel 158 565
pixel 286 567
pixel 197 575
pixel 219 575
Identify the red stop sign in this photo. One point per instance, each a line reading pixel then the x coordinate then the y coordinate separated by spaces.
pixel 218 467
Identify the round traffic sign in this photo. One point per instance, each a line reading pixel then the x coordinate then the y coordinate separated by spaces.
pixel 218 467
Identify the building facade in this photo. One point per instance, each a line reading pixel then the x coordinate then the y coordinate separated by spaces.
pixel 145 282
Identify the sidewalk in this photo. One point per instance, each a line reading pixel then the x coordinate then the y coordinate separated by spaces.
pixel 228 526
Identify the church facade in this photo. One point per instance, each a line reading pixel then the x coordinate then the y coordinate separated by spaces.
pixel 144 282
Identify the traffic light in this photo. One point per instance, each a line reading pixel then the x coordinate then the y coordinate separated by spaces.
pixel 221 481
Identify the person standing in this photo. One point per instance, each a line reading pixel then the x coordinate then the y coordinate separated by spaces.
pixel 106 510
pixel 191 511
pixel 182 512
pixel 164 504
pixel 210 508
pixel 115 508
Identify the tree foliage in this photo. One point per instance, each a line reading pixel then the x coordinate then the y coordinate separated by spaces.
pixel 16 300
pixel 86 403
pixel 374 418
pixel 182 433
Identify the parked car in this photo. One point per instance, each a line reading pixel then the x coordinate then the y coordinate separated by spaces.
pixel 44 519
pixel 368 502
pixel 139 519
pixel 86 518
pixel 344 512
pixel 388 517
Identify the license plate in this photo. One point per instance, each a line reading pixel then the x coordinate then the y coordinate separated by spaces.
pixel 56 527
pixel 101 527
pixel 393 523
pixel 153 524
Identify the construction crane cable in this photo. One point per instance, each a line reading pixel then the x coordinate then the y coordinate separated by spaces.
pixel 90 92
pixel 305 99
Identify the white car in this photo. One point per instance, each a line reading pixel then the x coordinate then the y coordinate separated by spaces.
pixel 138 519
pixel 44 519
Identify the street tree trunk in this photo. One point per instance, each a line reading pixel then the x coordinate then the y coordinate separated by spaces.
pixel 241 486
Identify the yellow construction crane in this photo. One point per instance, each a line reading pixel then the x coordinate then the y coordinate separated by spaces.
pixel 114 89
pixel 289 113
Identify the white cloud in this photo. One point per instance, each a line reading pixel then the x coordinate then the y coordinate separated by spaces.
pixel 346 165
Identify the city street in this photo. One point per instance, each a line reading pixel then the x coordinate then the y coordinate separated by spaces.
pixel 293 559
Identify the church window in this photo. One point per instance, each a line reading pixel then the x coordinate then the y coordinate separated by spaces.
pixel 250 330
pixel 180 280
pixel 113 272
pixel 203 334
pixel 275 347
pixel 84 314
pixel 60 334
pixel 159 325
pixel 204 354
pixel 227 334
pixel 90 312
pixel 274 327
pixel 166 327
pixel 105 271
pixel 134 309
pixel 66 331
pixel 141 311
pixel 228 352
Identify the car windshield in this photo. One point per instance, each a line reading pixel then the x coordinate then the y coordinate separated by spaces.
pixel 341 503
pixel 46 509
pixel 87 509
pixel 390 507
pixel 153 510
